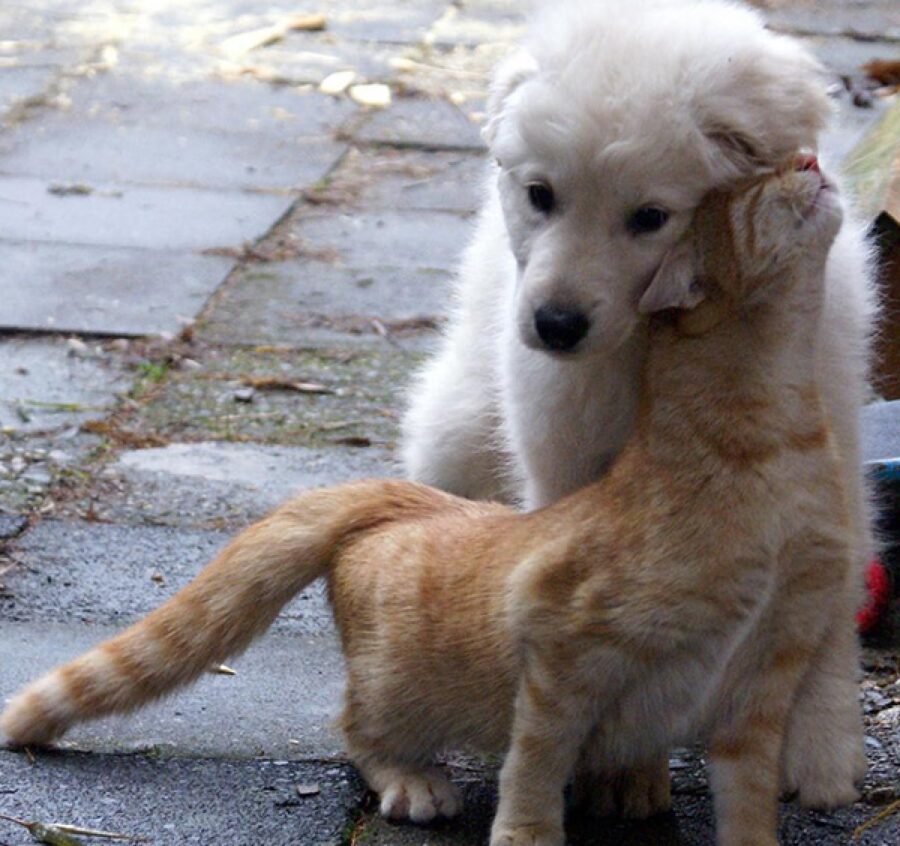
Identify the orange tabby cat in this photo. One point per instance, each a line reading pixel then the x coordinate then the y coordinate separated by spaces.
pixel 681 596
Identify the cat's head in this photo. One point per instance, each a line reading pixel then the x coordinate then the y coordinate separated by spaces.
pixel 747 243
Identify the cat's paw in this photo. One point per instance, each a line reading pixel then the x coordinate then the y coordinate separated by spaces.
pixel 634 794
pixel 645 792
pixel 527 834
pixel 420 797
pixel 816 785
pixel 824 775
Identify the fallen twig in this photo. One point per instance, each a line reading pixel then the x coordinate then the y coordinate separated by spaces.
pixel 60 834
pixel 269 383
pixel 882 815
pixel 93 832
pixel 45 833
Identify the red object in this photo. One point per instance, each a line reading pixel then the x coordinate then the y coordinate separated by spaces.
pixel 878 596
pixel 806 161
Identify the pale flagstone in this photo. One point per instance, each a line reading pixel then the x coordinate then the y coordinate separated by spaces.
pixel 275 471
pixel 135 216
pixel 184 801
pixel 100 289
pixel 43 386
pixel 281 702
pixel 425 124
pixel 99 573
pixel 215 483
pixel 872 19
pixel 131 126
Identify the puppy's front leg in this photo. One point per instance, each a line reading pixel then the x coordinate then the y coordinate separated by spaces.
pixel 551 721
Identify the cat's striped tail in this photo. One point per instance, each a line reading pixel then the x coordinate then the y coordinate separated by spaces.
pixel 234 598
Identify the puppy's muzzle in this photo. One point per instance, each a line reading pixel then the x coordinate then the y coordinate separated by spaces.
pixel 560 329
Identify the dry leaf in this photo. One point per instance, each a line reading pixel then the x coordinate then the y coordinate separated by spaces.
pixel 884 71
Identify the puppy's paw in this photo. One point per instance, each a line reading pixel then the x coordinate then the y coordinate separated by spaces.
pixel 420 797
pixel 526 834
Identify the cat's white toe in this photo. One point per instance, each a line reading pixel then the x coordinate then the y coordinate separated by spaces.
pixel 420 797
pixel 532 834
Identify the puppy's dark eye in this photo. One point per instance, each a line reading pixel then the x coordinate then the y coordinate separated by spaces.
pixel 541 197
pixel 647 219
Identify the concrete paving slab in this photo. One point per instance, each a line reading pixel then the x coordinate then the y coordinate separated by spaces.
pixel 871 19
pixel 181 802
pixel 100 573
pixel 152 218
pixel 101 289
pixel 690 823
pixel 405 179
pixel 307 58
pixel 478 23
pixel 19 84
pixel 374 20
pixel 361 412
pixel 315 303
pixel 386 238
pixel 129 155
pixel 132 129
pixel 282 702
pixel 43 386
pixel 391 266
pixel 214 484
pixel 418 123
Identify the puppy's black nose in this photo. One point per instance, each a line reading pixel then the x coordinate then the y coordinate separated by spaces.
pixel 560 328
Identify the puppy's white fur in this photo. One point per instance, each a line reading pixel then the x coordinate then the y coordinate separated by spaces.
pixel 619 105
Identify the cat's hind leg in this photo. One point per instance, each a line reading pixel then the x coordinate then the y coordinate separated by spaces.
pixel 824 756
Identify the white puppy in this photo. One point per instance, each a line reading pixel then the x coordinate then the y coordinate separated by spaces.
pixel 606 131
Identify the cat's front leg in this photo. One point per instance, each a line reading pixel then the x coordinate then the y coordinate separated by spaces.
pixel 550 724
pixel 745 750
pixel 748 733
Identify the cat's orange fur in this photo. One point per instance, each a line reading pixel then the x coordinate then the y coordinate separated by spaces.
pixel 681 596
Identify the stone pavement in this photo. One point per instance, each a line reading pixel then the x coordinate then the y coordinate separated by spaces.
pixel 216 280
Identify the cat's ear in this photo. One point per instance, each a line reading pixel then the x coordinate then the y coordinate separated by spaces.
pixel 511 73
pixel 674 285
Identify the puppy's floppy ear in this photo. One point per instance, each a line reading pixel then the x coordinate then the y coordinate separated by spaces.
pixel 674 283
pixel 511 73
pixel 760 105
